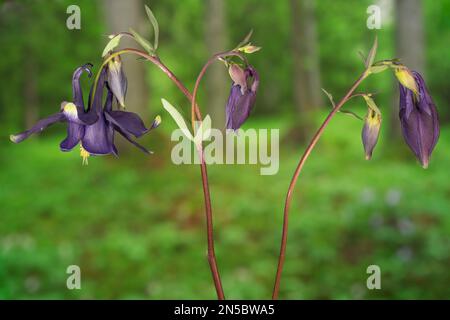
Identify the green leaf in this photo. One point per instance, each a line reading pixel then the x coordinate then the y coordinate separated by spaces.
pixel 378 69
pixel 372 53
pixel 179 120
pixel 114 42
pixel 371 104
pixel 330 97
pixel 142 41
pixel 352 114
pixel 155 25
pixel 361 55
pixel 249 48
pixel 246 39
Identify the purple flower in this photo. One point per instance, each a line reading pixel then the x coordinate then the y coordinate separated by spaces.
pixel 242 96
pixel 94 128
pixel 370 132
pixel 419 120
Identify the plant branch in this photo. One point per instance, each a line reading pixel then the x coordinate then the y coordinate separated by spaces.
pixel 195 112
pixel 297 172
pixel 155 60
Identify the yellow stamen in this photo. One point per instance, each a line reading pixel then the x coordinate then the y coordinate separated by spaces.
pixel 84 154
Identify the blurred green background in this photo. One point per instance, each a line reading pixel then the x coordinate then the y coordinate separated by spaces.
pixel 135 225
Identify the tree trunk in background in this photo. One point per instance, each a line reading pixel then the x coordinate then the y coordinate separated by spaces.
pixel 217 80
pixel 306 77
pixel 120 15
pixel 409 39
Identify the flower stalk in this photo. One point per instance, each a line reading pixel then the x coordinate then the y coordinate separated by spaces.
pixel 305 156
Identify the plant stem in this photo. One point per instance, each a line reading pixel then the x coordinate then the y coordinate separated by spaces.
pixel 196 112
pixel 302 161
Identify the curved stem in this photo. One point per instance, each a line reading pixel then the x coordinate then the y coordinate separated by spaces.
pixel 155 60
pixel 302 161
pixel 194 107
pixel 195 112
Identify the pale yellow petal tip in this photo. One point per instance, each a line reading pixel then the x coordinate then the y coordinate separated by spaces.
pixel 157 121
pixel 13 138
pixel 425 165
pixel 368 157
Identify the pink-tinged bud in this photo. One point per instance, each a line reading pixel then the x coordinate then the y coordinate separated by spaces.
pixel 371 132
pixel 240 104
pixel 238 76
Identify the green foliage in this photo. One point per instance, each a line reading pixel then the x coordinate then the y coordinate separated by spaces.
pixel 136 227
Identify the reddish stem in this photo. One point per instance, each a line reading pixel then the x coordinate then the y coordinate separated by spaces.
pixel 297 172
pixel 195 112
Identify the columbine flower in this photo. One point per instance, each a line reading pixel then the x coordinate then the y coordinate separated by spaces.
pixel 72 112
pixel 93 129
pixel 242 95
pixel 419 120
pixel 370 132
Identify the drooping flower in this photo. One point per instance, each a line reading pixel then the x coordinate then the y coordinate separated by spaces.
pixel 242 95
pixel 370 132
pixel 419 120
pixel 94 128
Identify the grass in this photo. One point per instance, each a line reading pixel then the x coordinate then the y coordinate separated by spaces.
pixel 135 225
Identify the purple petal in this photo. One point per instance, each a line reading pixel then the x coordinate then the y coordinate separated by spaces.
pixel 370 133
pixel 38 127
pixel 97 106
pixel 235 94
pixel 255 75
pixel 240 111
pixel 85 117
pixel 419 121
pixel 75 133
pixel 128 122
pixel 97 139
pixel 130 139
pixel 240 105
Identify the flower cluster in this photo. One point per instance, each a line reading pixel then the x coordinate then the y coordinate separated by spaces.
pixel 94 127
pixel 417 112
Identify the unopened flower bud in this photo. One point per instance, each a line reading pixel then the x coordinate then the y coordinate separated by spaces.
pixel 419 120
pixel 117 80
pixel 370 132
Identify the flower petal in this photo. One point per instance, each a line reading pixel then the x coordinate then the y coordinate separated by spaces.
pixel 38 127
pixel 97 138
pixel 130 139
pixel 128 122
pixel 235 94
pixel 75 133
pixel 85 117
pixel 419 120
